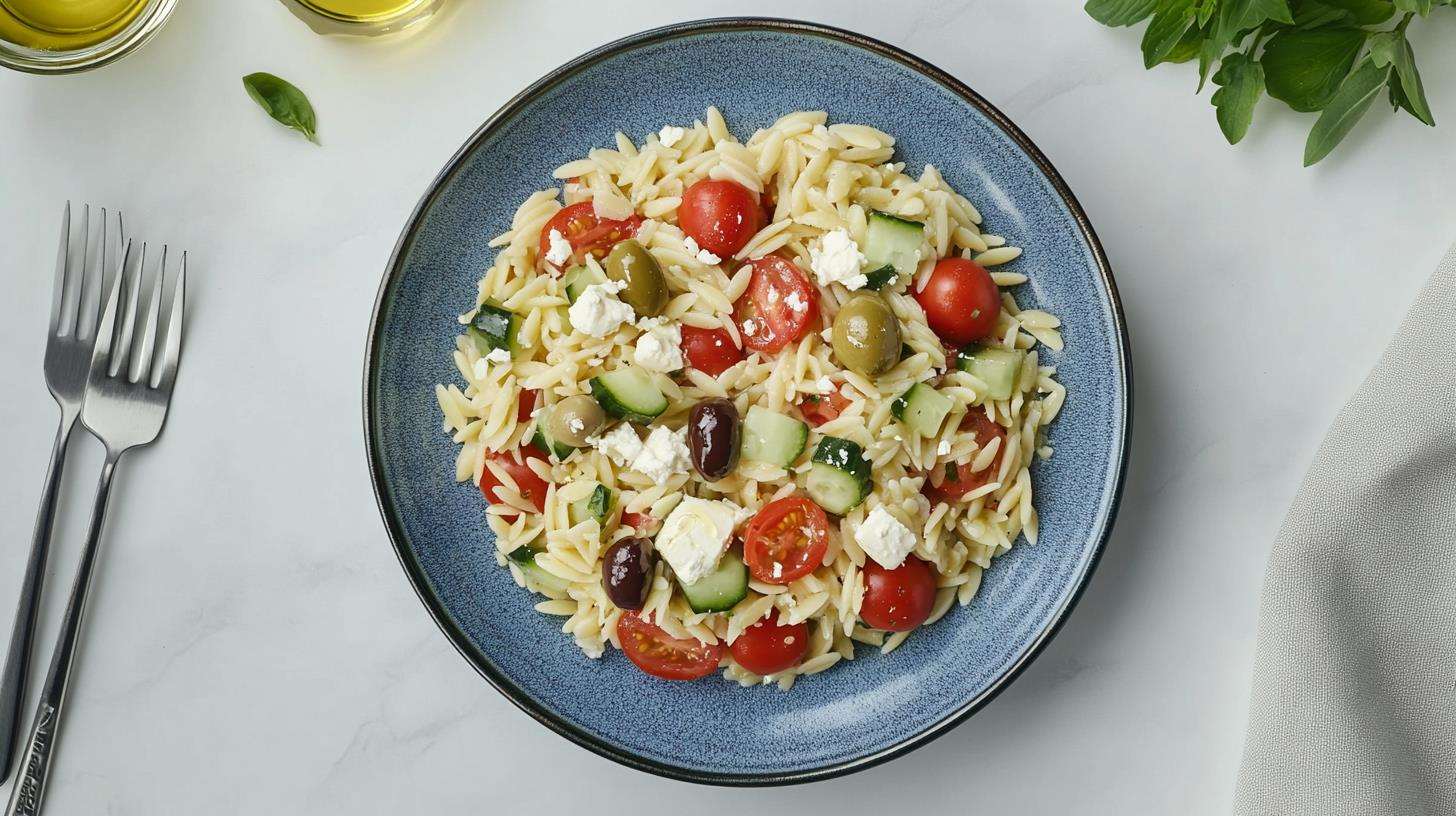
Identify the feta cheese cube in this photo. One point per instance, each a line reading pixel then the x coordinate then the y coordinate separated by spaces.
pixel 659 348
pixel 598 311
pixel 695 535
pixel 884 538
pixel 836 258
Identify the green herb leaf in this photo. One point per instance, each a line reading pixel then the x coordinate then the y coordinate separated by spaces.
pixel 1421 7
pixel 1241 83
pixel 284 102
pixel 1412 96
pixel 1237 15
pixel 1187 48
pixel 1304 69
pixel 1170 22
pixel 1205 12
pixel 1208 54
pixel 1120 12
pixel 1360 12
pixel 1350 103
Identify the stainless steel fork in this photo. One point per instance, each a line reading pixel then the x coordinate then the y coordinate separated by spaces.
pixel 82 262
pixel 128 389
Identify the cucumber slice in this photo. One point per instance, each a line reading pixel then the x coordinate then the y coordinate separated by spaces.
pixel 839 478
pixel 922 409
pixel 495 328
pixel 578 278
pixel 720 589
pixel 773 438
pixel 544 443
pixel 998 368
pixel 629 392
pixel 538 579
pixel 891 249
pixel 596 505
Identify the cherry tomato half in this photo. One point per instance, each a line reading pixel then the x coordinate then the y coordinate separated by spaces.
pixel 819 410
pixel 960 479
pixel 900 599
pixel 587 234
pixel 663 656
pixel 960 300
pixel 531 486
pixel 720 215
pixel 766 314
pixel 786 540
pixel 710 351
pixel 769 647
pixel 526 404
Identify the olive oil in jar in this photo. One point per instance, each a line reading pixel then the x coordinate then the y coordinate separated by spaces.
pixel 65 25
pixel 362 16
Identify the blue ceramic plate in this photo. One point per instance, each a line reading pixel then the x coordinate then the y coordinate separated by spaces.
pixel 855 714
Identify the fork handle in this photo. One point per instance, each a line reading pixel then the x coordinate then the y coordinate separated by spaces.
pixel 40 749
pixel 22 635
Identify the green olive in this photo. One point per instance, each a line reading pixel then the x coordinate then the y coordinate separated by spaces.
pixel 867 335
pixel 574 419
pixel 646 290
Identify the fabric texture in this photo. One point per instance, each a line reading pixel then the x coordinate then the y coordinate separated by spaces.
pixel 1354 692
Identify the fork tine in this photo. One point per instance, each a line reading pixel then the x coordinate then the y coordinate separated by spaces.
pixel 76 263
pixel 172 349
pixel 93 278
pixel 101 351
pixel 131 301
pixel 59 296
pixel 141 364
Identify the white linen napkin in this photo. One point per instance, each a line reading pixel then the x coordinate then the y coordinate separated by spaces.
pixel 1354 694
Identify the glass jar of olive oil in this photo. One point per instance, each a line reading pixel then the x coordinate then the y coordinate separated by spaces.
pixel 63 36
pixel 368 17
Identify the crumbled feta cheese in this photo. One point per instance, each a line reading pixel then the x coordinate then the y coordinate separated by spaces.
pixel 559 251
pixel 481 369
pixel 498 355
pixel 659 348
pixel 943 448
pixel 703 255
pixel 598 311
pixel 796 301
pixel 671 135
pixel 695 535
pixel 749 326
pixel 664 454
pixel 884 538
pixel 621 444
pixel 825 385
pixel 836 258
pixel 576 425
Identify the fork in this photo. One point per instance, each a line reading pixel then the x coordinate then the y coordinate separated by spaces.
pixel 128 390
pixel 81 265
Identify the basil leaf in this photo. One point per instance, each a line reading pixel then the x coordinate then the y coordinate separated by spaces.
pixel 1205 12
pixel 1207 56
pixel 1120 12
pixel 1304 69
pixel 1350 103
pixel 1171 21
pixel 1241 83
pixel 1237 15
pixel 284 102
pixel 1421 7
pixel 1412 95
pixel 1362 12
pixel 1187 48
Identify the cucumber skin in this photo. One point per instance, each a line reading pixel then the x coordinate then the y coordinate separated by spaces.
pixel 602 392
pixel 495 328
pixel 721 602
pixel 549 447
pixel 838 459
pixel 878 279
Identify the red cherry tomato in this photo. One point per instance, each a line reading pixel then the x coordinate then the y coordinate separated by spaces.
pixel 532 487
pixel 900 599
pixel 641 522
pixel 662 655
pixel 720 215
pixel 767 319
pixel 960 479
pixel 587 234
pixel 526 404
pixel 710 351
pixel 960 300
pixel 819 410
pixel 771 647
pixel 786 540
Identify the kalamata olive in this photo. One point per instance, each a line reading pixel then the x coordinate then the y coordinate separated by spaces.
pixel 646 290
pixel 713 432
pixel 866 335
pixel 627 573
pixel 574 419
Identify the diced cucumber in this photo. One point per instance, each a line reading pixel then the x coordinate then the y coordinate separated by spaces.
pixel 773 438
pixel 596 505
pixel 720 589
pixel 629 392
pixel 891 248
pixel 578 278
pixel 922 409
pixel 495 328
pixel 998 368
pixel 839 478
pixel 538 579
pixel 544 443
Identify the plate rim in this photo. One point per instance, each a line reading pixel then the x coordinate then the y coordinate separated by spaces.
pixel 482 663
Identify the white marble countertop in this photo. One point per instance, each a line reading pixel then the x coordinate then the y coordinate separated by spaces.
pixel 254 646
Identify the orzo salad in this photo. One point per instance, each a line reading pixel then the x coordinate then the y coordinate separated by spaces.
pixel 743 405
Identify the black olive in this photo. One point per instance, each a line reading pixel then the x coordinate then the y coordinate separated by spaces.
pixel 713 433
pixel 627 573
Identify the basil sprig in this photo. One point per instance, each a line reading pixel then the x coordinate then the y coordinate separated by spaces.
pixel 1334 57
pixel 284 102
